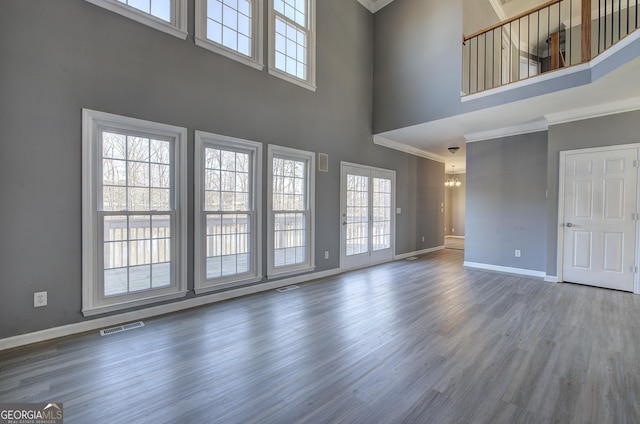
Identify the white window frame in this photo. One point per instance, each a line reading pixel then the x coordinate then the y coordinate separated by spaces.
pixel 310 82
pixel 177 28
pixel 93 122
pixel 309 264
pixel 203 140
pixel 256 59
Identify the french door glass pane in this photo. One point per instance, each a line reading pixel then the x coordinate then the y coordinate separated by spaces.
pixel 381 213
pixel 357 219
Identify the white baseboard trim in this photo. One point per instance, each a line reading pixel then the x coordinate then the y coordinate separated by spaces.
pixel 454 237
pixel 417 253
pixel 98 323
pixel 551 278
pixel 519 271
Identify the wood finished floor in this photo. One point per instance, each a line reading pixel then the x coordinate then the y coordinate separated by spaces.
pixel 422 341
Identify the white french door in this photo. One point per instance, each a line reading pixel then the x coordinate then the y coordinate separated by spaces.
pixel 367 218
pixel 599 205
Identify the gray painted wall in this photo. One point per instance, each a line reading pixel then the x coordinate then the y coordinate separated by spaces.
pixel 61 56
pixel 506 205
pixel 455 207
pixel 430 197
pixel 604 131
pixel 418 62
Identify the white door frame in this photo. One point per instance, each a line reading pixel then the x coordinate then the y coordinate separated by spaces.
pixel 560 240
pixel 373 169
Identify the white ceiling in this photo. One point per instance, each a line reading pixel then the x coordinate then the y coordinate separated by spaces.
pixel 374 5
pixel 615 92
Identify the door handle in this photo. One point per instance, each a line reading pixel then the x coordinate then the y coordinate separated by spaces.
pixel 568 224
pixel 344 223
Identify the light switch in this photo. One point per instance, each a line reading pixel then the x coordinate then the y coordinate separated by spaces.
pixel 398 211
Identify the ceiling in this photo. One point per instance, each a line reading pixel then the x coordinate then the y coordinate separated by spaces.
pixel 374 5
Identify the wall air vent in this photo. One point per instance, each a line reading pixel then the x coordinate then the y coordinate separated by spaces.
pixel 284 289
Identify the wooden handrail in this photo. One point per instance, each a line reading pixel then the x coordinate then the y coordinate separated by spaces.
pixel 508 21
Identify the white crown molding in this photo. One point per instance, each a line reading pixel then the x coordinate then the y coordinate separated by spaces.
pixel 529 127
pixel 627 105
pixel 374 5
pixel 391 144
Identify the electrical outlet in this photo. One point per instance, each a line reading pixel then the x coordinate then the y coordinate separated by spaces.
pixel 326 254
pixel 518 253
pixel 39 299
pixel 423 239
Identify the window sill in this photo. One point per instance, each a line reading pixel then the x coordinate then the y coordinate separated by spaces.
pixel 287 272
pixel 293 80
pixel 112 307
pixel 222 285
pixel 228 53
pixel 179 30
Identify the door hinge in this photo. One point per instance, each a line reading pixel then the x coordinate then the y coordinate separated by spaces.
pixel 634 269
pixel 635 163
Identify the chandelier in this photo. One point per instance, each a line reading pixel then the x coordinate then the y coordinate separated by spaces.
pixel 451 181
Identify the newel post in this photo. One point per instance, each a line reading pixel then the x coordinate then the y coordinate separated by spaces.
pixel 586 31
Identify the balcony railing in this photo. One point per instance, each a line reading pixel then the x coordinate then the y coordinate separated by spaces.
pixel 552 36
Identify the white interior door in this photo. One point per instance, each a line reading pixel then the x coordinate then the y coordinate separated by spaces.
pixel 368 222
pixel 599 225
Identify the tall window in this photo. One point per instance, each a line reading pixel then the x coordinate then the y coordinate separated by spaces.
pixel 227 211
pixel 133 221
pixel 169 16
pixel 232 28
pixel 292 41
pixel 291 208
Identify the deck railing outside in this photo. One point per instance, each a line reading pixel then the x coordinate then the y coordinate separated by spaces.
pixel 555 35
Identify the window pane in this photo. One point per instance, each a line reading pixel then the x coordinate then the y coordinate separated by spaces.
pixel 381 213
pixel 131 245
pixel 227 244
pixel 161 9
pixel 114 146
pixel 138 4
pixel 289 239
pixel 229 23
pixel 160 151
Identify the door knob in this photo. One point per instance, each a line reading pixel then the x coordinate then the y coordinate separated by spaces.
pixel 568 224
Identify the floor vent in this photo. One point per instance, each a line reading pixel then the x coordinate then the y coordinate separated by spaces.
pixel 121 328
pixel 284 289
pixel 413 258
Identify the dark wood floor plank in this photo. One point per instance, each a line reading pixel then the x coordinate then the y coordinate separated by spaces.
pixel 422 341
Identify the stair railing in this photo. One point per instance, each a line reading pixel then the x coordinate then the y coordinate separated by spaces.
pixel 549 37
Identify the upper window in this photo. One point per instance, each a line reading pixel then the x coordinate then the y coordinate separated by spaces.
pixel 134 203
pixel 291 211
pixel 292 41
pixel 232 28
pixel 169 16
pixel 227 221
